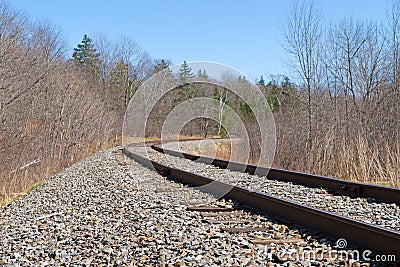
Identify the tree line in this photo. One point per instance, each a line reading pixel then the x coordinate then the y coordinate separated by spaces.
pixel 339 116
pixel 55 109
pixel 58 106
pixel 346 122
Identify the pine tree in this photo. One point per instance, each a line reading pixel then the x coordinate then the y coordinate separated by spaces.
pixel 187 87
pixel 261 81
pixel 185 73
pixel 202 74
pixel 120 80
pixel 86 55
pixel 160 66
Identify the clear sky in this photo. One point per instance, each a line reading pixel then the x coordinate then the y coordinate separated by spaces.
pixel 246 35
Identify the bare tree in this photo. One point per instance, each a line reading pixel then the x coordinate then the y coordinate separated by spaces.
pixel 40 94
pixel 302 36
pixel 124 65
pixel 47 40
pixel 12 37
pixel 353 73
pixel 137 66
pixel 106 50
pixel 393 15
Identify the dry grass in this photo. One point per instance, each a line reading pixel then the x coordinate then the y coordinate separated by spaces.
pixel 19 195
pixel 15 184
pixel 358 161
pixel 221 150
pixel 132 139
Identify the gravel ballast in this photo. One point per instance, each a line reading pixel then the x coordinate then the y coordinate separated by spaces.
pixel 386 215
pixel 109 211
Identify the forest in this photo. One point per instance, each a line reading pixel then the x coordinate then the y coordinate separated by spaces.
pixel 338 116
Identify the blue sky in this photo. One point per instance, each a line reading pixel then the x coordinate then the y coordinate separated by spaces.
pixel 246 35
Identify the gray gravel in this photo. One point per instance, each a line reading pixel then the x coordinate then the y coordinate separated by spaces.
pixel 382 214
pixel 105 211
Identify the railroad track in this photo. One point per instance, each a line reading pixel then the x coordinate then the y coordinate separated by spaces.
pixel 337 186
pixel 361 234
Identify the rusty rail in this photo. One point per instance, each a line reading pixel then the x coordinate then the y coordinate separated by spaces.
pixel 378 239
pixel 338 186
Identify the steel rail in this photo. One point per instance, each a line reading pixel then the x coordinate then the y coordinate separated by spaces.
pixel 338 186
pixel 365 235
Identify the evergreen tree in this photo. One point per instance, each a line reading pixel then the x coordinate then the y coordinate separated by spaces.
pixel 188 88
pixel 274 96
pixel 289 93
pixel 202 74
pixel 86 55
pixel 160 65
pixel 185 73
pixel 261 81
pixel 121 82
pixel 281 95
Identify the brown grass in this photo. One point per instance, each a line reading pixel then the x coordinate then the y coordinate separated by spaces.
pixel 359 161
pixel 15 184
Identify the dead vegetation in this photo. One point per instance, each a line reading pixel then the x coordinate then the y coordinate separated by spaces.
pixel 52 113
